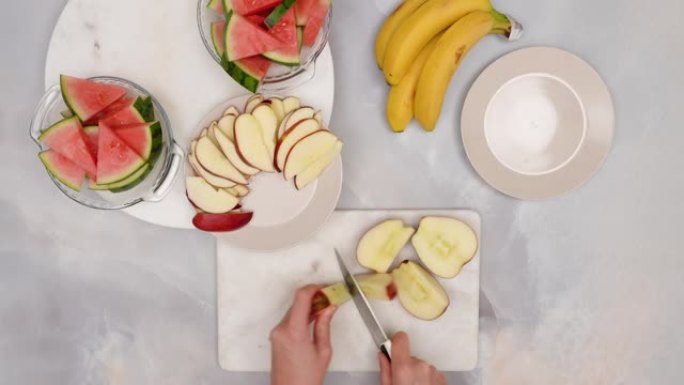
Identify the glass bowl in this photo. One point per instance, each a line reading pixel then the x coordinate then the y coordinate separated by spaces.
pixel 154 186
pixel 279 77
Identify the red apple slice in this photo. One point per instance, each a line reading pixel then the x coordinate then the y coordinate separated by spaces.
pixel 210 133
pixel 269 125
pixel 295 117
pixel 213 160
pixel 203 133
pixel 307 151
pixel 232 110
pixel 291 137
pixel 227 126
pixel 252 102
pixel 238 190
pixel 212 179
pixel 278 108
pixel 312 172
pixel 229 150
pixel 207 198
pixel 291 103
pixel 250 144
pixel 221 222
pixel 419 292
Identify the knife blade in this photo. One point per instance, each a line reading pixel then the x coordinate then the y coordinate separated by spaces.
pixel 372 324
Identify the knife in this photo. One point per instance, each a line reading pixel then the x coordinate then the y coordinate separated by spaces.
pixel 365 310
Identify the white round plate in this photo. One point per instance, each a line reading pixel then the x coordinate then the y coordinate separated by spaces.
pixel 283 216
pixel 537 123
pixel 161 51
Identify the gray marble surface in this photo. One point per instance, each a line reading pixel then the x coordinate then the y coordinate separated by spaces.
pixel 583 289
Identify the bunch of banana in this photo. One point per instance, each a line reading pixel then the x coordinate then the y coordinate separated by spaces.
pixel 421 45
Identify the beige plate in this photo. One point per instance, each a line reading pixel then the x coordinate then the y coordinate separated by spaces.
pixel 283 216
pixel 538 123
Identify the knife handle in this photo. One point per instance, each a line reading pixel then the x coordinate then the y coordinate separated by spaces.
pixel 386 349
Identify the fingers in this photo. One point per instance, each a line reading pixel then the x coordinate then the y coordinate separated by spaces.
pixel 321 332
pixel 298 316
pixel 385 370
pixel 401 349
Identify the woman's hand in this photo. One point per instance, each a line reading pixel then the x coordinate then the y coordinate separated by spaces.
pixel 299 356
pixel 405 369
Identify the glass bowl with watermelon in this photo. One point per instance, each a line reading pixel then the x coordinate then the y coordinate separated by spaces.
pixel 106 142
pixel 265 44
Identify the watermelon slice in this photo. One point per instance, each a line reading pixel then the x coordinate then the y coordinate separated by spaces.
pixel 317 15
pixel 278 12
pixel 249 72
pixel 136 111
pixel 91 139
pixel 145 139
pixel 87 97
pixel 67 138
pixel 251 7
pixel 116 161
pixel 126 184
pixel 286 31
pixel 302 9
pixel 218 36
pixel 63 169
pixel 244 39
pixel 216 6
pixel 114 107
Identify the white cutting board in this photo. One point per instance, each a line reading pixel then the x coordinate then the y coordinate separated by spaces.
pixel 255 290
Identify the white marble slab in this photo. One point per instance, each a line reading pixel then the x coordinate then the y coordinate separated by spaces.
pixel 255 290
pixel 160 48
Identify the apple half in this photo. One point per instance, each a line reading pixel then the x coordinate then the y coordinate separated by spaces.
pixel 232 110
pixel 269 125
pixel 444 245
pixel 419 292
pixel 227 126
pixel 250 144
pixel 207 198
pixel 295 117
pixel 378 247
pixel 252 102
pixel 212 159
pixel 222 222
pixel 312 172
pixel 307 151
pixel 291 103
pixel 230 151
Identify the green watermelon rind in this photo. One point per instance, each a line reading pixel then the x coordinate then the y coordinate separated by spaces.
pixel 240 75
pixel 279 57
pixel 278 12
pixel 211 4
pixel 55 173
pixel 227 6
pixel 145 108
pixel 157 142
pixel 66 114
pixel 126 184
pixel 55 127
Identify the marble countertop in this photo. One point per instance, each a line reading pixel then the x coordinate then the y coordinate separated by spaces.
pixel 582 289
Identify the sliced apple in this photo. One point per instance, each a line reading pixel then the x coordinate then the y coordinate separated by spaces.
pixel 230 151
pixel 312 172
pixel 291 137
pixel 238 190
pixel 336 294
pixel 212 179
pixel 307 151
pixel 222 222
pixel 203 133
pixel 377 286
pixel 226 126
pixel 419 292
pixel 269 125
pixel 294 117
pixel 378 248
pixel 232 110
pixel 252 102
pixel 212 159
pixel 278 108
pixel 250 144
pixel 291 103
pixel 319 117
pixel 207 198
pixel 444 245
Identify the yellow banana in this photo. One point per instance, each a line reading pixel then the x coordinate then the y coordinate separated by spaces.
pixel 401 96
pixel 390 25
pixel 419 28
pixel 447 55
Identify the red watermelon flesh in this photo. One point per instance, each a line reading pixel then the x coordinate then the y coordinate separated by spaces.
pixel 317 16
pixel 114 107
pixel 63 169
pixel 256 66
pixel 68 139
pixel 126 115
pixel 91 139
pixel 87 97
pixel 245 39
pixel 138 137
pixel 302 9
pixel 286 29
pixel 115 159
pixel 251 7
